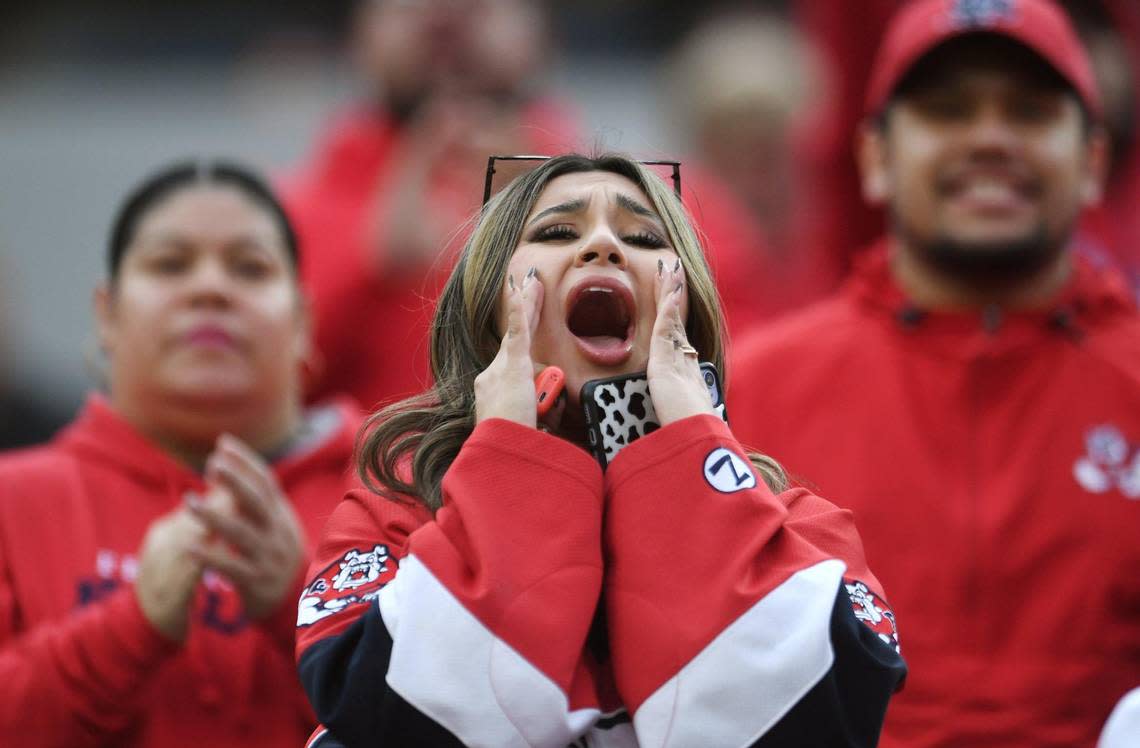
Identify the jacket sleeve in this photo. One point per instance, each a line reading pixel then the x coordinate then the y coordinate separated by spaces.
pixel 467 628
pixel 735 616
pixel 72 682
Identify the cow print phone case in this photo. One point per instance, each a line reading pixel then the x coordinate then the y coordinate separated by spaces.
pixel 619 410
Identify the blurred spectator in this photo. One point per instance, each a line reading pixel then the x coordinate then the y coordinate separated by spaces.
pixel 1111 30
pixel 738 85
pixel 152 554
pixel 973 392
pixel 382 201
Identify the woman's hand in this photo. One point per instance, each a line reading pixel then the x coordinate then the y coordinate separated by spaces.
pixel 263 543
pixel 673 371
pixel 169 572
pixel 505 389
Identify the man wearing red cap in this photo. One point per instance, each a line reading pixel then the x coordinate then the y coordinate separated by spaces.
pixel 973 393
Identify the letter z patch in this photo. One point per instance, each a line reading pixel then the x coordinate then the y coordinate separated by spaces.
pixel 357 578
pixel 727 472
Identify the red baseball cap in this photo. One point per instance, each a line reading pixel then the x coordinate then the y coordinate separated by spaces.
pixel 1039 25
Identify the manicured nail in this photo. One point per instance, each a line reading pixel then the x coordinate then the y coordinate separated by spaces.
pixel 660 267
pixel 511 281
pixel 677 287
pixel 532 272
pixel 677 266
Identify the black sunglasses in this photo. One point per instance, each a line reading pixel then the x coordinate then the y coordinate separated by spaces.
pixel 514 166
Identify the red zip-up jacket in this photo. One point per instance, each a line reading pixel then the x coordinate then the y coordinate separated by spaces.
pixel 992 461
pixel 79 664
pixel 674 601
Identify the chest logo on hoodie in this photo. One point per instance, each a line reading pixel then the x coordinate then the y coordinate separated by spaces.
pixel 357 578
pixel 1110 462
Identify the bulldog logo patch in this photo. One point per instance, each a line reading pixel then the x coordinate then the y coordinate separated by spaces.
pixel 357 578
pixel 873 612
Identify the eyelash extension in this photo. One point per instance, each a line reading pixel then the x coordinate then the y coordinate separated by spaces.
pixel 646 239
pixel 554 233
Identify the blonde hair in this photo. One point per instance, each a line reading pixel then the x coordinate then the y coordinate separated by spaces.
pixel 425 432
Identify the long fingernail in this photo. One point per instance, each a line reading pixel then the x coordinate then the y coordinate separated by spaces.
pixel 532 272
pixel 677 266
pixel 677 287
pixel 511 281
pixel 660 267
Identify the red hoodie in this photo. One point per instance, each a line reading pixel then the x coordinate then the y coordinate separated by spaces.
pixel 674 600
pixel 80 664
pixel 992 461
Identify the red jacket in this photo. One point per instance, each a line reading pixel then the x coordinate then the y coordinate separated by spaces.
pixel 993 465
pixel 672 601
pixel 79 663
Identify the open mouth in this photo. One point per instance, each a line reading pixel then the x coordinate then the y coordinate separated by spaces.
pixel 600 316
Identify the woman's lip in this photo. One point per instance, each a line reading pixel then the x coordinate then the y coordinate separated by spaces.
pixel 605 350
pixel 209 336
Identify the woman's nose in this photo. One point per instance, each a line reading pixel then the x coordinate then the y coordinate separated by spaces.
pixel 209 283
pixel 602 247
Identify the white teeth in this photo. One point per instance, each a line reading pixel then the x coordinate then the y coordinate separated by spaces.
pixel 599 289
pixel 990 190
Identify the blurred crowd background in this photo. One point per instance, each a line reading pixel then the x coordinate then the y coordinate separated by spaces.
pixel 761 97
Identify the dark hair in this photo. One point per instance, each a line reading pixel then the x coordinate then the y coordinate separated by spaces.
pixel 184 174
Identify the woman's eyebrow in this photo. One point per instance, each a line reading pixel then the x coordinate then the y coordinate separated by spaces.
pixel 570 206
pixel 633 206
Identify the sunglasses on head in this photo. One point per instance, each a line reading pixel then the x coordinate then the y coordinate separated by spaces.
pixel 502 170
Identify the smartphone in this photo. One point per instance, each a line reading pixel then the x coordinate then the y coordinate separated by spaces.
pixel 619 410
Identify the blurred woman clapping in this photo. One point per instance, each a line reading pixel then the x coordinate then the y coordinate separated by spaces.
pixel 150 555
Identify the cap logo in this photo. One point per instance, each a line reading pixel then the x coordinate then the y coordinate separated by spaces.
pixel 968 14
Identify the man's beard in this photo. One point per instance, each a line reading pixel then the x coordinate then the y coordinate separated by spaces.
pixel 984 263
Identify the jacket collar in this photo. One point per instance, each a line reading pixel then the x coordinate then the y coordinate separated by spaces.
pixel 101 432
pixel 1092 296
